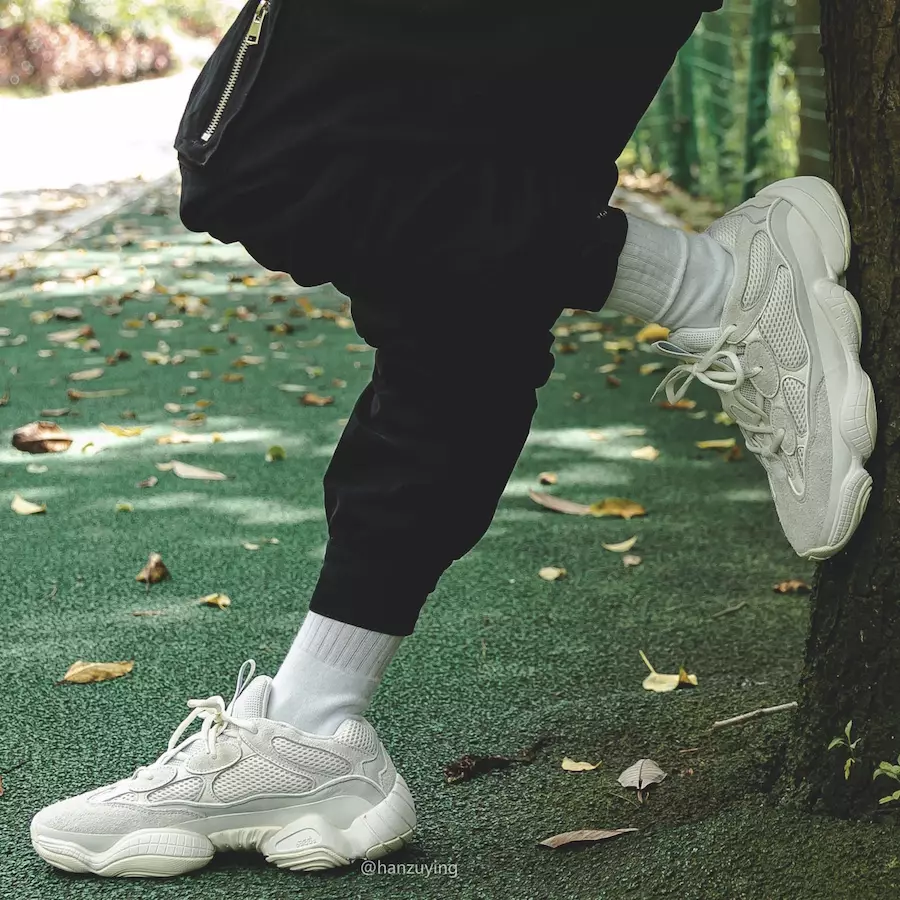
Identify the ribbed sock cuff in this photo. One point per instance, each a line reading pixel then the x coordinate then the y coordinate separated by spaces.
pixel 651 269
pixel 347 647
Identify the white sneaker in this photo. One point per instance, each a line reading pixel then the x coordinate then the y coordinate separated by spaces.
pixel 786 360
pixel 242 782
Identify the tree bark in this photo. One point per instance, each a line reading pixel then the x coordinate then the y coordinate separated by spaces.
pixel 852 668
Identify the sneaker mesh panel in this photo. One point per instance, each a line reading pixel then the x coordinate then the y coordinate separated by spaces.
pixel 725 231
pixel 760 255
pixel 313 759
pixel 356 734
pixel 779 324
pixel 257 775
pixel 188 789
pixel 795 397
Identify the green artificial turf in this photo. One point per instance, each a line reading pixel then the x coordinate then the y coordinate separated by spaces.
pixel 501 658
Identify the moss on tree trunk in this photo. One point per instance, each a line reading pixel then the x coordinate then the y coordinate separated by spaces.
pixel 852 668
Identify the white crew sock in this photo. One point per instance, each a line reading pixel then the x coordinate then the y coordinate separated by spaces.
pixel 669 276
pixel 331 672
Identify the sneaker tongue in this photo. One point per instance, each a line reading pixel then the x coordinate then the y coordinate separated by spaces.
pixel 690 341
pixel 253 700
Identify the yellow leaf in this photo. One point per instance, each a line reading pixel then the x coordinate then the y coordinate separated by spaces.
pixel 662 684
pixel 722 418
pixel 618 346
pixel 617 506
pixel 622 547
pixel 242 361
pixel 218 600
pixel 650 333
pixel 607 368
pixel 650 368
pixel 312 399
pixel 552 573
pixel 571 765
pixel 358 348
pixel 96 395
pixel 721 444
pixel 26 507
pixel 793 586
pixel 648 453
pixel 634 432
pixel 121 432
pixel 124 507
pixel 81 672
pixel 275 454
pixel 232 377
pixel 547 478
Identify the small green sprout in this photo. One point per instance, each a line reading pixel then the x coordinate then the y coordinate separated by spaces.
pixel 891 771
pixel 846 741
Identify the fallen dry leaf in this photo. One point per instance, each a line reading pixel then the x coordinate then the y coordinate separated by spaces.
pixel 87 375
pixel 26 507
pixel 35 469
pixel 316 400
pixel 471 765
pixel 559 504
pixel 649 334
pixel 275 454
pixel 618 346
pixel 154 570
pixel 606 368
pixel 630 560
pixel 150 482
pixel 678 404
pixel 81 672
pixel 4 401
pixel 642 774
pixel 622 547
pixel 613 382
pixel 148 612
pixel 617 506
pixel 585 835
pixel 570 765
pixel 596 436
pixel 70 334
pixel 41 437
pixel 96 395
pixel 647 453
pixel 195 473
pixel 172 408
pixel 293 388
pixel 547 478
pixel 56 413
pixel 221 601
pixel 358 348
pixel 793 586
pixel 722 418
pixel 121 432
pixel 662 684
pixel 124 507
pixel 552 573
pixel 242 361
pixel 719 444
pixel 67 313
pixel 650 368
pixel 633 432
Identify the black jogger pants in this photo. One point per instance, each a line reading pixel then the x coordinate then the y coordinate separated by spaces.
pixel 458 261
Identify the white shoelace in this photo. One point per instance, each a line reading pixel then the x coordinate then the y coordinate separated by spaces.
pixel 215 718
pixel 723 371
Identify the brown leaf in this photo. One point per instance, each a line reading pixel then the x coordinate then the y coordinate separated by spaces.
pixel 154 570
pixel 81 672
pixel 559 504
pixel 232 377
pixel 547 478
pixel 148 612
pixel 311 399
pixel 471 765
pixel 242 361
pixel 565 348
pixel 793 586
pixel 41 437
pixel 617 506
pixel 678 404
pixel 613 382
pixel 358 348
pixel 585 835
pixel 150 482
pixel 26 507
pixel 642 774
pixel 735 454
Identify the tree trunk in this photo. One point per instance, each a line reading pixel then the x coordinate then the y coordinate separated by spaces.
pixel 852 668
pixel 813 143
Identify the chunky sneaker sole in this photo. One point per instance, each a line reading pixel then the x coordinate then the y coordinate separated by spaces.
pixel 785 360
pixel 243 782
pixel 837 329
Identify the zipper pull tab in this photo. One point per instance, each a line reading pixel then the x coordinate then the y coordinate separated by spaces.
pixel 257 23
